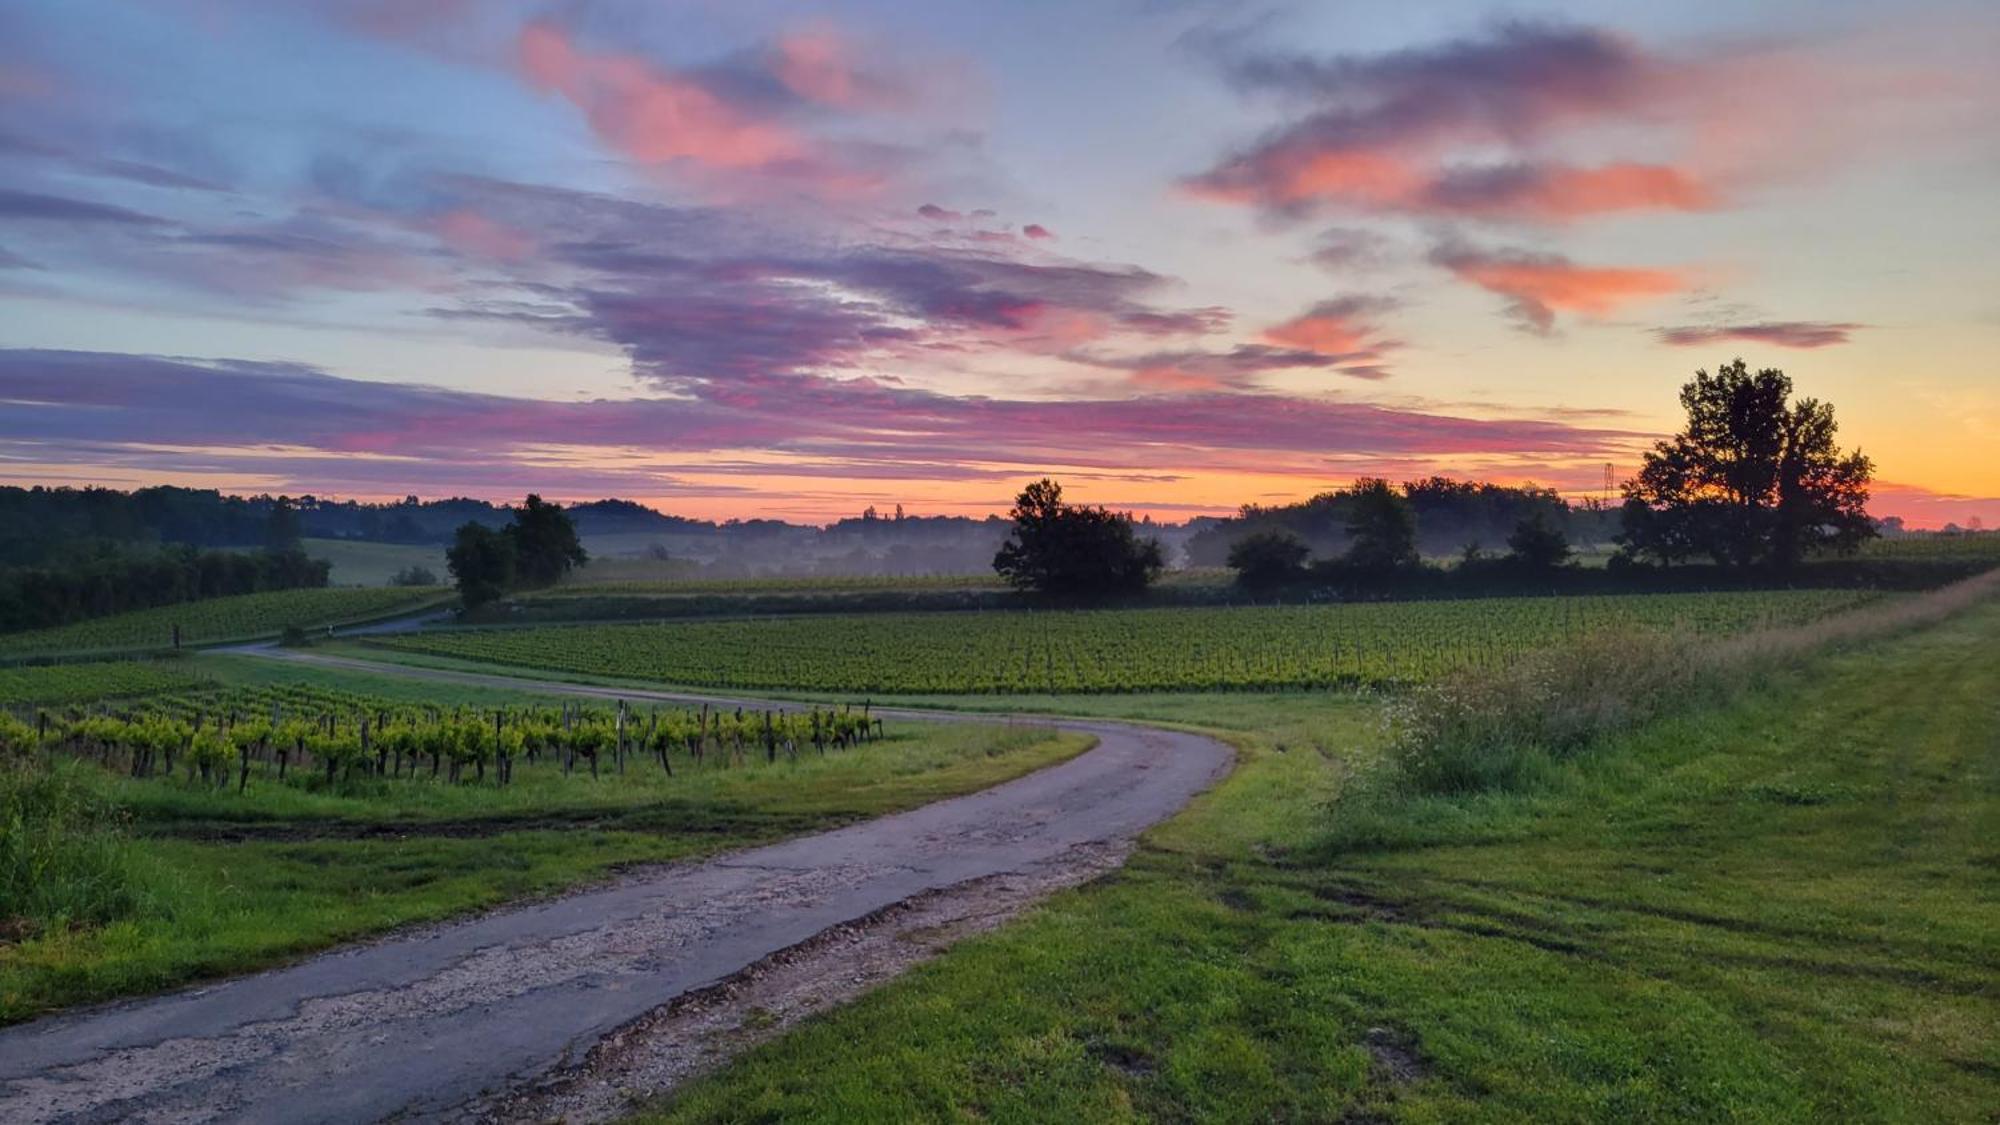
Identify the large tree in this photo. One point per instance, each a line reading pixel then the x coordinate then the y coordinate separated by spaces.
pixel 1065 549
pixel 1381 528
pixel 545 543
pixel 482 563
pixel 1754 479
pixel 1268 559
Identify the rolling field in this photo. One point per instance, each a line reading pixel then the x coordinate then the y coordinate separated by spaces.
pixel 217 620
pixel 1186 649
pixel 361 563
pixel 1777 908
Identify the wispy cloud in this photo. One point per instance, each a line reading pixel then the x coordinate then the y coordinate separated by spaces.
pixel 1537 286
pixel 1780 333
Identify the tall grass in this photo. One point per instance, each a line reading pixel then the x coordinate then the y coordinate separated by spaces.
pixel 1493 728
pixel 65 859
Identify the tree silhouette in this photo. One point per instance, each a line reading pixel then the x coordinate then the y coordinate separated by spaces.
pixel 1538 544
pixel 1381 528
pixel 1753 480
pixel 482 562
pixel 1058 548
pixel 1263 560
pixel 545 543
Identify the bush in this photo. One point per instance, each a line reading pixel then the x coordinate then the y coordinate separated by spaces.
pixel 1264 560
pixel 414 576
pixel 1071 550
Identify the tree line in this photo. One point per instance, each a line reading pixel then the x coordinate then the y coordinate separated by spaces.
pixel 1754 483
pixel 116 581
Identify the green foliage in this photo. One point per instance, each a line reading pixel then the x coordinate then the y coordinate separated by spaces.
pixel 1538 544
pixel 63 857
pixel 98 583
pixel 215 620
pixel 1122 650
pixel 57 684
pixel 1265 560
pixel 1494 726
pixel 281 527
pixel 482 564
pixel 545 543
pixel 1381 529
pixel 537 548
pixel 1072 550
pixel 414 576
pixel 1754 479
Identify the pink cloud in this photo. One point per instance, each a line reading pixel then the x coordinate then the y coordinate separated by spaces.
pixel 470 232
pixel 1037 231
pixel 1920 507
pixel 818 64
pixel 1558 192
pixel 653 115
pixel 1538 285
pixel 1335 327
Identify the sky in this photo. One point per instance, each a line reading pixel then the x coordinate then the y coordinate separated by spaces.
pixel 735 258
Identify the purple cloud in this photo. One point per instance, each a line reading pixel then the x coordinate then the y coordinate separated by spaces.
pixel 1779 333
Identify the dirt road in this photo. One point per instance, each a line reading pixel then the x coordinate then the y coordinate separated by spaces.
pixel 445 1021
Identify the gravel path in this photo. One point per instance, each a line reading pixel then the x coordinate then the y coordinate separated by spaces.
pixel 426 1023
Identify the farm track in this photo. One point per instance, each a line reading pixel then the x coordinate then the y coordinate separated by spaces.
pixel 469 1018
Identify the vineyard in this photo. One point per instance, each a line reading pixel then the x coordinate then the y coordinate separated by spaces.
pixel 220 738
pixel 1177 649
pixel 1977 545
pixel 55 684
pixel 215 620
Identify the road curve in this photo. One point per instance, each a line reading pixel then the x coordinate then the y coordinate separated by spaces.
pixel 419 1023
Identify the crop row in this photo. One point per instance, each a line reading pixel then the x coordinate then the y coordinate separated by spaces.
pixel 284 734
pixel 216 619
pixel 56 684
pixel 1107 650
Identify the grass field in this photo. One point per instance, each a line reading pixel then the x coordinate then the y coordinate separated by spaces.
pixel 1105 650
pixel 214 881
pixel 58 684
pixel 217 620
pixel 359 563
pixel 1780 908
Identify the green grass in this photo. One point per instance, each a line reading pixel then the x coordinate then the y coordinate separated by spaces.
pixel 1122 650
pixel 1781 907
pixel 56 684
pixel 217 620
pixel 221 882
pixel 360 563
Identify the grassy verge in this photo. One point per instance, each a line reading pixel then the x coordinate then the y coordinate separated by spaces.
pixel 216 621
pixel 209 883
pixel 1780 906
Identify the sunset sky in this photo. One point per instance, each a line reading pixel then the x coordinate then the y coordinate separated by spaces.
pixel 732 258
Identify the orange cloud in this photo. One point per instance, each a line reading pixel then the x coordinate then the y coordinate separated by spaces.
pixel 1561 192
pixel 1338 328
pixel 1537 285
pixel 651 115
